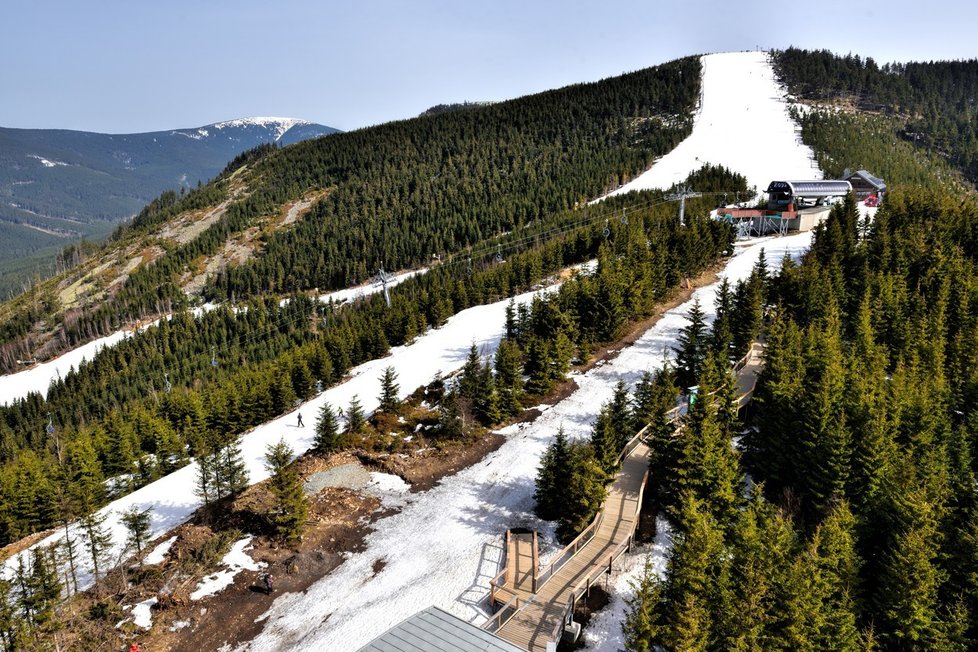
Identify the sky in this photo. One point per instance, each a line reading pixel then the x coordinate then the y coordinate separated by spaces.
pixel 122 66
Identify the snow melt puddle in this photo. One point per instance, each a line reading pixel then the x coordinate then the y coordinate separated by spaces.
pixel 236 560
pixel 158 553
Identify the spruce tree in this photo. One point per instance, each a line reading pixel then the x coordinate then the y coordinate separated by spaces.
pixel 137 524
pixel 509 378
pixel 486 401
pixel 230 472
pixel 722 331
pixel 450 423
pixel 389 401
pixel 97 540
pixel 468 384
pixel 552 477
pixel 355 418
pixel 328 438
pixel 642 625
pixel 692 347
pixel 290 503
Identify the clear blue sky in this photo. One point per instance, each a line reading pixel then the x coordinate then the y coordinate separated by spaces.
pixel 140 65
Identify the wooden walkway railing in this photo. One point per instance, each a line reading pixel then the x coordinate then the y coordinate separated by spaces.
pixel 534 621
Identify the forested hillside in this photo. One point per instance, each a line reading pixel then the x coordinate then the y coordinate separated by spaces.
pixel 393 195
pixel 933 104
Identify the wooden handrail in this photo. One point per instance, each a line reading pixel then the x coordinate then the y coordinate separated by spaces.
pixel 495 583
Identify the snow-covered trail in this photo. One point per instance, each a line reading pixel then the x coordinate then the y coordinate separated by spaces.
pixel 39 377
pixel 743 124
pixel 445 544
pixel 172 499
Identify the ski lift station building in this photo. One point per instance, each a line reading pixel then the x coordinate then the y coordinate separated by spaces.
pixel 795 206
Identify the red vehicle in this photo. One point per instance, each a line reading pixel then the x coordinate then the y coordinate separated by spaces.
pixel 872 201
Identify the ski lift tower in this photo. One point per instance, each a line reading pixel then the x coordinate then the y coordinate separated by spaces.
pixel 384 279
pixel 682 195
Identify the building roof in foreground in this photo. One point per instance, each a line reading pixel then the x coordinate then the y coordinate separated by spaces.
pixel 436 630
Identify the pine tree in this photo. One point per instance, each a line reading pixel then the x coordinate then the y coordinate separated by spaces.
pixel 205 488
pixel 328 438
pixel 604 441
pixel 355 418
pixel 389 401
pixel 584 492
pixel 137 524
pixel 620 413
pixel 44 586
pixel 291 507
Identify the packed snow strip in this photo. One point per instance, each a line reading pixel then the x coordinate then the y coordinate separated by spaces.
pixel 158 554
pixel 236 560
pixel 171 499
pixel 445 544
pixel 742 124
pixel 39 377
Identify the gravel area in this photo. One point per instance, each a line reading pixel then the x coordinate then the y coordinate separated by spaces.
pixel 349 476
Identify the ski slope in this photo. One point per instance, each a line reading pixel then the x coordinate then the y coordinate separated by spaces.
pixel 742 124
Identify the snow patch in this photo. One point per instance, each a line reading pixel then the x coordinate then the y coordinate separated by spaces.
pixel 142 615
pixel 236 560
pixel 45 162
pixel 158 554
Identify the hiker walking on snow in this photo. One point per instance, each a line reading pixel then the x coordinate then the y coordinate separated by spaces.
pixel 301 425
pixel 268 583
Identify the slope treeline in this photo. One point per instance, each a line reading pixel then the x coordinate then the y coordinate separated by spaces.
pixel 934 103
pixel 399 193
pixel 862 530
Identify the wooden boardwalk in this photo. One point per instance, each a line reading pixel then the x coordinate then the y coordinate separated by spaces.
pixel 534 620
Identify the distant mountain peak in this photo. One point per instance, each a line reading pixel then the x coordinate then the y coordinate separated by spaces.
pixel 279 125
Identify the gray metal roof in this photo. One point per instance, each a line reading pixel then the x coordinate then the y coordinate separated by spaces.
pixel 874 181
pixel 813 188
pixel 436 630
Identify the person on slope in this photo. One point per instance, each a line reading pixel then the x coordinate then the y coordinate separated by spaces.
pixel 301 425
pixel 268 583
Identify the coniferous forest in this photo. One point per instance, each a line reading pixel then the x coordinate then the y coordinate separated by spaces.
pixel 860 530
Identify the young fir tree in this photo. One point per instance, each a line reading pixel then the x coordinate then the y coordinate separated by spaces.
pixel 328 438
pixel 450 422
pixel 230 473
pixel 552 478
pixel 509 378
pixel 44 587
pixel 620 412
pixel 97 541
pixel 584 493
pixel 290 502
pixel 486 401
pixel 692 347
pixel 204 487
pixel 468 384
pixel 722 333
pixel 389 402
pixel 137 524
pixel 604 440
pixel 642 626
pixel 355 418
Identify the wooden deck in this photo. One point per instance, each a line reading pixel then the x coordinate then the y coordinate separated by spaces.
pixel 533 620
